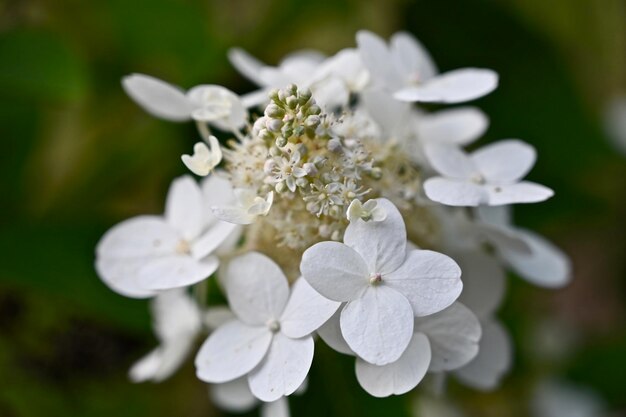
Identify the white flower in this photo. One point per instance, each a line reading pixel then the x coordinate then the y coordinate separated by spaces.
pixel 366 212
pixel 270 340
pixel 384 285
pixel 541 264
pixel 490 175
pixel 460 126
pixel 204 159
pixel 329 79
pixel 177 323
pixel 494 359
pixel 144 254
pixel 206 103
pixel 405 69
pixel 249 207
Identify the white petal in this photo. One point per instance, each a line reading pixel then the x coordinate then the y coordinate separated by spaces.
pixel 484 282
pixel 233 214
pixel 502 237
pixel 378 326
pixel 546 265
pixel 284 368
pixel 212 239
pixel 386 111
pixel 162 362
pixel 411 57
pixel 505 161
pixel 381 244
pixel 330 333
pixel 453 192
pixel 522 192
pixel 449 160
pixel 233 396
pixel 176 271
pixel 429 280
pixel 232 351
pixel 306 310
pixel 256 287
pixel 216 191
pixel 452 87
pixel 377 58
pixel 176 316
pixel 335 270
pixel 157 97
pixel 454 334
pixel 278 408
pixel 459 126
pixel 255 98
pixel 130 245
pixel 246 64
pixel 400 376
pixel 184 208
pixel 493 359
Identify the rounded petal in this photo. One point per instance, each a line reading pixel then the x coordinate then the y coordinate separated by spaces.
pixel 284 368
pixel 453 192
pixel 256 287
pixel 381 244
pixel 127 247
pixel 484 282
pixel 459 126
pixel 522 192
pixel 449 160
pixel 306 310
pixel 246 64
pixel 454 334
pixel 546 265
pixel 176 271
pixel 233 396
pixel 330 333
pixel 378 327
pixel 335 270
pixel 493 360
pixel 431 281
pixel 400 376
pixel 377 58
pixel 212 239
pixel 452 87
pixel 162 362
pixel 157 97
pixel 216 191
pixel 410 56
pixel 232 351
pixel 505 161
pixel 184 208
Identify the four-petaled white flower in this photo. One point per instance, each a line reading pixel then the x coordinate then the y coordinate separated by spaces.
pixel 205 103
pixel 204 159
pixel 144 254
pixel 490 175
pixel 365 211
pixel 270 341
pixel 249 207
pixel 177 323
pixel 384 285
pixel 405 69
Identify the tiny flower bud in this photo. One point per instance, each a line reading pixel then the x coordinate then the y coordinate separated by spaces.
pixel 302 182
pixel 376 173
pixel 281 141
pixel 274 125
pixel 334 145
pixel 315 109
pixel 265 134
pixel 312 121
pixel 292 89
pixel 292 102
pixel 310 169
pixel 274 111
pixel 273 95
pixel 281 187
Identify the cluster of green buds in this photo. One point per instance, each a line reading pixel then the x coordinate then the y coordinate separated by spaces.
pixel 291 114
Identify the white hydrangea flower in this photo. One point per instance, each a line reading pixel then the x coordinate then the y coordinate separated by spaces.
pixel 384 285
pixel 365 211
pixel 249 207
pixel 177 322
pixel 541 264
pixel 204 159
pixel 144 254
pixel 405 69
pixel 329 79
pixel 270 341
pixel 490 175
pixel 205 103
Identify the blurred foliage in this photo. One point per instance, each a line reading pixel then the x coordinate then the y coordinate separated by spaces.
pixel 78 156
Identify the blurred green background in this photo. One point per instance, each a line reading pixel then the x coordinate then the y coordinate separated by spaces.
pixel 79 156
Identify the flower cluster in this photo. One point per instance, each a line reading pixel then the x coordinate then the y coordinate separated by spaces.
pixel 336 207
